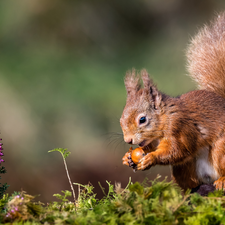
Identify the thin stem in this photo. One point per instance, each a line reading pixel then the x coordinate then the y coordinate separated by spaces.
pixel 216 198
pixel 129 182
pixel 71 186
pixel 78 191
pixel 102 188
pixel 182 202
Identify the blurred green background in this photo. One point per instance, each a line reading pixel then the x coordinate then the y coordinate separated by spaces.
pixel 62 65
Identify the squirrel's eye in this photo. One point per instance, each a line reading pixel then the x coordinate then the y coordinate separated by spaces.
pixel 142 119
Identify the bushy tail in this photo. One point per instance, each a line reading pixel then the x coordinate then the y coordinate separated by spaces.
pixel 206 56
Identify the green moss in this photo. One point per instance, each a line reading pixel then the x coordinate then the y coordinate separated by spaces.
pixel 155 202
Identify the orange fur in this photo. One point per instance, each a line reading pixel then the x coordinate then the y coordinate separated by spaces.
pixel 206 56
pixel 187 132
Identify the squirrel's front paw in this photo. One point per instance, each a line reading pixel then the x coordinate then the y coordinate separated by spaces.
pixel 127 160
pixel 220 183
pixel 146 162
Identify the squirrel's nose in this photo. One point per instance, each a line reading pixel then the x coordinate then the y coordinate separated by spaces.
pixel 128 140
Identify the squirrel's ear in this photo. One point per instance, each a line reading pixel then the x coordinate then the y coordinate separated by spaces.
pixel 151 89
pixel 156 97
pixel 132 82
pixel 146 79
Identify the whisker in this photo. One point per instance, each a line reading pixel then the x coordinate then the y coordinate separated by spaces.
pixel 112 134
pixel 113 140
pixel 118 144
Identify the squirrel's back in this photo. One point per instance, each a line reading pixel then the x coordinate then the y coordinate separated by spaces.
pixel 206 57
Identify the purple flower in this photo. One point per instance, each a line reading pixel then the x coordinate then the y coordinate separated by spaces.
pixel 1 154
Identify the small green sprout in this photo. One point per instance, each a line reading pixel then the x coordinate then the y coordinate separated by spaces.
pixel 63 198
pixel 65 153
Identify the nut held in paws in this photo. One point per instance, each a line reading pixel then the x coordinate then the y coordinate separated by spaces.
pixel 137 154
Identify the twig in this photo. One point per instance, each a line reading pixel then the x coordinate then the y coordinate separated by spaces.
pixel 187 196
pixel 129 182
pixel 65 154
pixel 101 188
pixel 215 198
pixel 71 186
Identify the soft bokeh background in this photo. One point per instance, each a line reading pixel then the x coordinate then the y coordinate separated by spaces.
pixel 62 65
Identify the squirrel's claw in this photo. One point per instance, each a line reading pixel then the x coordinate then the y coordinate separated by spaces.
pixel 128 161
pixel 146 162
pixel 220 183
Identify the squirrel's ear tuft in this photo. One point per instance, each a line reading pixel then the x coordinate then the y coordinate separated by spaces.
pixel 132 82
pixel 146 79
pixel 156 97
pixel 151 89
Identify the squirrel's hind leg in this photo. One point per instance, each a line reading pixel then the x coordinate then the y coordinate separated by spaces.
pixel 218 159
pixel 185 175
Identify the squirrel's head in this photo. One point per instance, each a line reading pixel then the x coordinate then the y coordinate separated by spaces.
pixel 141 116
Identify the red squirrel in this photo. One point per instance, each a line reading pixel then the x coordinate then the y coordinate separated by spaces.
pixel 186 132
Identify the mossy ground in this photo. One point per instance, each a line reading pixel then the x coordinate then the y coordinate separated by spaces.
pixel 155 202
